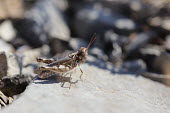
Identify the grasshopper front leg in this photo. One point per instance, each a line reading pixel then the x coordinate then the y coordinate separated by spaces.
pixel 81 72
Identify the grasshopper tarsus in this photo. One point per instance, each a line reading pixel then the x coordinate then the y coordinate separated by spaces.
pixel 70 86
pixel 62 84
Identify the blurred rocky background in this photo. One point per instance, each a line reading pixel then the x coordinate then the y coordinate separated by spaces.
pixel 133 37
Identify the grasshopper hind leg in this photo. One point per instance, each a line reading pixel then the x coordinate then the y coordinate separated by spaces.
pixel 67 79
pixel 47 61
pixel 62 84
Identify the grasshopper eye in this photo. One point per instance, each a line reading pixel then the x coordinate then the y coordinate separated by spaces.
pixel 85 50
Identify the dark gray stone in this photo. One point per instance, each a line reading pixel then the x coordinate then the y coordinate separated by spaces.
pixel 96 18
pixel 3 65
pixel 138 42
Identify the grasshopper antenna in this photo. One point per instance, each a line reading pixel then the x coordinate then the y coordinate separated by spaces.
pixel 92 40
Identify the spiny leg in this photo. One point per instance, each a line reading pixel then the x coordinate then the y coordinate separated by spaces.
pixel 62 84
pixel 72 83
pixel 71 73
pixel 63 76
pixel 81 72
pixel 70 78
pixel 67 79
pixel 59 79
pixel 47 61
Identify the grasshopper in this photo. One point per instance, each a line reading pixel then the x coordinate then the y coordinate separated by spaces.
pixel 64 65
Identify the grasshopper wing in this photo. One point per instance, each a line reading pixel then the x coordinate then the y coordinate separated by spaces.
pixel 62 61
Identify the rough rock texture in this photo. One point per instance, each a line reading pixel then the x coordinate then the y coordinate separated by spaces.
pixel 3 65
pixel 100 91
pixel 11 86
pixel 7 32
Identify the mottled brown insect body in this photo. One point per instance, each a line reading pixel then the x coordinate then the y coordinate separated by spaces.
pixel 63 65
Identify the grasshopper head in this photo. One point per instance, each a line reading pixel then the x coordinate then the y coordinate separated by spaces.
pixel 82 55
pixel 83 52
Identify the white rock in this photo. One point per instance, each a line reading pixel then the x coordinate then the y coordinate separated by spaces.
pixel 166 24
pixel 7 32
pixel 162 22
pixel 99 92
pixel 5 47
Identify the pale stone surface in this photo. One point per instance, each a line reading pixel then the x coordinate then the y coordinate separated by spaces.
pixel 5 47
pixel 100 92
pixel 7 32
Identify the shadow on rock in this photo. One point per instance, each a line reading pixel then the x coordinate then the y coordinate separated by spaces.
pixel 50 80
pixel 108 66
pixel 54 79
